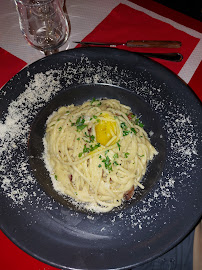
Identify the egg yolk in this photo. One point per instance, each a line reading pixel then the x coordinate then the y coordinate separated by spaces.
pixel 105 130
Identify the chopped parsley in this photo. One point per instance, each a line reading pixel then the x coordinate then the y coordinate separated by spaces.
pixel 56 177
pixel 79 124
pixel 95 100
pixel 99 165
pixel 138 123
pixel 89 149
pixel 115 155
pixel 107 163
pixel 124 127
pixel 118 145
pixel 91 137
pixel 133 130
pixel 125 132
pixel 126 154
pixel 92 148
pixel 60 128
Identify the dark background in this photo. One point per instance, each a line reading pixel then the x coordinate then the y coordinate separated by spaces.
pixel 191 8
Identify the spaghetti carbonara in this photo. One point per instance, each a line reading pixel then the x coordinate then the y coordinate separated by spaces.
pixel 97 153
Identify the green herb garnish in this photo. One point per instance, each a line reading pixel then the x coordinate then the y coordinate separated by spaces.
pixel 92 148
pixel 118 145
pixel 133 130
pixel 107 163
pixel 115 155
pixel 123 125
pixel 79 124
pixel 91 137
pixel 89 149
pixel 94 100
pixel 138 123
pixel 125 132
pixel 126 154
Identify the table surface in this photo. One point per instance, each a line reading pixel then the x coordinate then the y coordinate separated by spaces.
pixel 84 17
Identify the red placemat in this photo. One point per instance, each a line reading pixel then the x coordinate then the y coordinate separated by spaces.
pixel 12 257
pixel 9 66
pixel 125 23
pixel 121 24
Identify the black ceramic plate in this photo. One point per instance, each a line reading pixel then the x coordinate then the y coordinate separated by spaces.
pixel 45 224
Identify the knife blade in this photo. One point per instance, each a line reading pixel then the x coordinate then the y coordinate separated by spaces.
pixel 137 43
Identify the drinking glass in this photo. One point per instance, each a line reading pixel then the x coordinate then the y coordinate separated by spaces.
pixel 43 24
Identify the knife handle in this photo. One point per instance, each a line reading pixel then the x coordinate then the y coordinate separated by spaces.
pixel 154 43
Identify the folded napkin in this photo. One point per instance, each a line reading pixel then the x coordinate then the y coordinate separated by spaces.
pixel 125 23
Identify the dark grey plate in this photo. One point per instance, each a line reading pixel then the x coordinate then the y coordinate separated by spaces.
pixel 46 225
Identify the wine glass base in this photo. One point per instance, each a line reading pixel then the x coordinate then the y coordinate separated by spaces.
pixel 50 52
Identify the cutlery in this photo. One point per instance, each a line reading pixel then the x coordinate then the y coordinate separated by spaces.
pixel 175 57
pixel 137 43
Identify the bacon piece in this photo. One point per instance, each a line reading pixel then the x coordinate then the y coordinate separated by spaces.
pixel 130 116
pixel 89 130
pixel 70 177
pixel 129 194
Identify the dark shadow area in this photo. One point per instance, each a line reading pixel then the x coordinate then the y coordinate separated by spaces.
pixel 191 8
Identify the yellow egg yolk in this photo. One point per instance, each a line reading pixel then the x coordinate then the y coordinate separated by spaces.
pixel 106 129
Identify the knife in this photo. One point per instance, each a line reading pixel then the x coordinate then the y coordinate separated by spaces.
pixel 137 43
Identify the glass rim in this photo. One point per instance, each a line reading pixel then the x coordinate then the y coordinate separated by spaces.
pixel 33 2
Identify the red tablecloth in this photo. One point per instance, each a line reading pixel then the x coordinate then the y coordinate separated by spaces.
pixel 120 25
